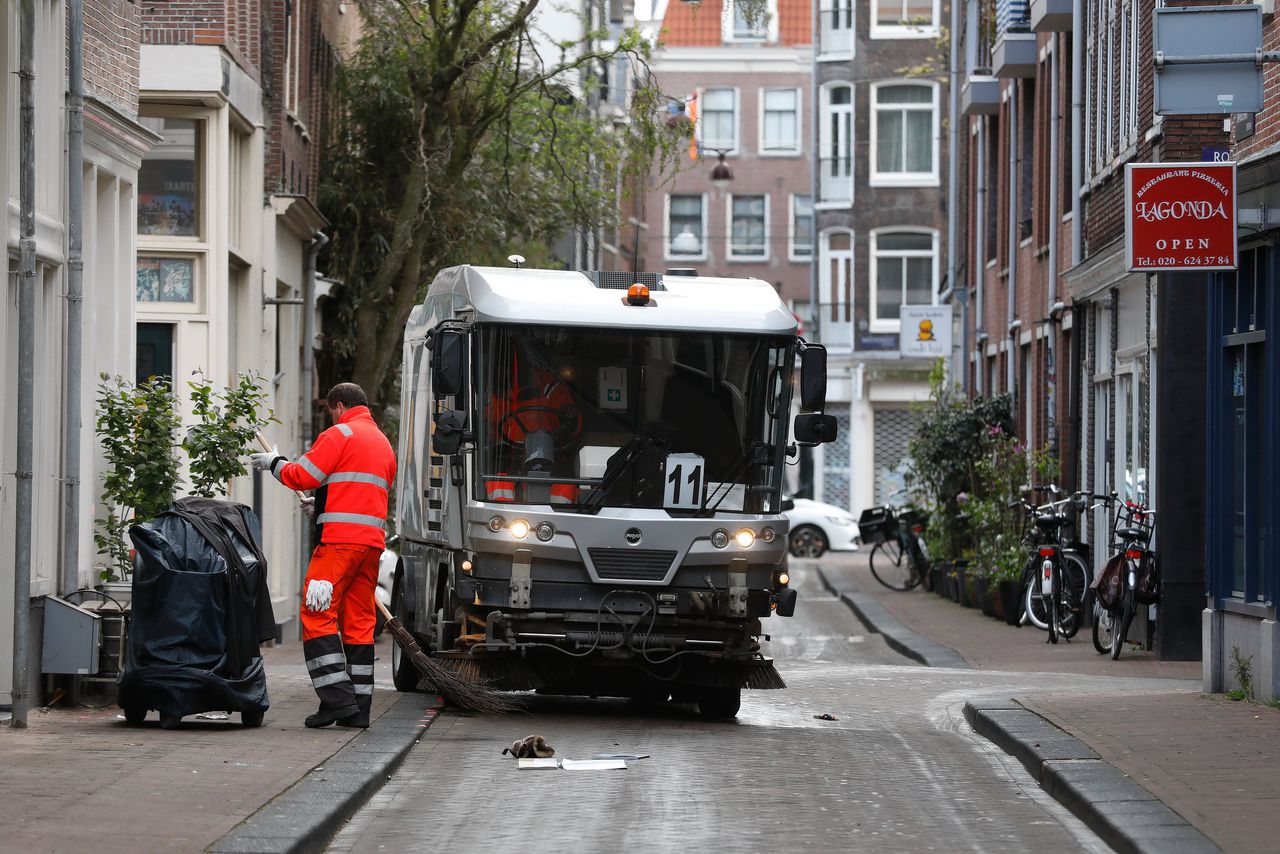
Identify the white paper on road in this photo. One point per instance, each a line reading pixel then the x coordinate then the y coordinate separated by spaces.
pixel 538 763
pixel 593 764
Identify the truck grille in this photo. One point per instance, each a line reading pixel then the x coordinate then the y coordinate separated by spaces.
pixel 632 564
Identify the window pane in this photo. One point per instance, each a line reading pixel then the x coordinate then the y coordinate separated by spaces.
pixel 888 288
pixel 888 12
pixel 168 181
pixel 920 11
pixel 802 226
pixel 747 230
pixel 684 231
pixel 919 281
pixel 888 141
pixel 780 99
pixel 717 99
pixel 906 94
pixel 919 141
pixel 165 279
pixel 841 95
pixel 756 28
pixel 904 240
pixel 718 124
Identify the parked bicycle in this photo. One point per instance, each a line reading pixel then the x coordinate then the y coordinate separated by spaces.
pixel 899 559
pixel 1131 578
pixel 1056 574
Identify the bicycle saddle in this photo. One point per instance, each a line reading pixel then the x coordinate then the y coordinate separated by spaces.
pixel 1132 533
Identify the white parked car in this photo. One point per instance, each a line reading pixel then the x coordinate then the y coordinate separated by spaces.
pixel 386 574
pixel 817 528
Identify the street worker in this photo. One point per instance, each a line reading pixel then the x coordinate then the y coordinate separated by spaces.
pixel 351 466
pixel 537 418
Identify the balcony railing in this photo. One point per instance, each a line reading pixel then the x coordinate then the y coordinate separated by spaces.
pixel 835 30
pixel 835 179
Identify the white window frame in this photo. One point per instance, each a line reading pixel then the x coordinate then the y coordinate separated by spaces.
pixel 846 258
pixel 729 254
pixel 845 8
pixel 795 150
pixel 874 254
pixel 824 143
pixel 792 255
pixel 933 177
pixel 904 31
pixel 667 236
pixel 737 118
pixel 727 20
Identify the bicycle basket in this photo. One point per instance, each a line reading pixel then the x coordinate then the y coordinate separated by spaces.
pixel 877 524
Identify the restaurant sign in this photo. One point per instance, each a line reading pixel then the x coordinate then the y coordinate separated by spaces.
pixel 1180 216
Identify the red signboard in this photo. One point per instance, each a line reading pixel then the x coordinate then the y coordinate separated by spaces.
pixel 1180 216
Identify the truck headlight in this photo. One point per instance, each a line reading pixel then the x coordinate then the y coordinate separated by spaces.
pixel 519 529
pixel 719 538
pixel 745 538
pixel 545 531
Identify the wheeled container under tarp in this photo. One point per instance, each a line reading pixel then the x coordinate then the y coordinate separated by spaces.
pixel 201 608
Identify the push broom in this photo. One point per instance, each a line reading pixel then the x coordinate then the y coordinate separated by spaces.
pixel 452 685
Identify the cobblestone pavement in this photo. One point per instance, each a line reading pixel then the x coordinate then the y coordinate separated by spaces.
pixel 900 770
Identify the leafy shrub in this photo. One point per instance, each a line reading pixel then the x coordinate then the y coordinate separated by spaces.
pixel 227 422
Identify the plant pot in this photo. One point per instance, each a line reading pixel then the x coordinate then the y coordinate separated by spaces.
pixel 957 593
pixel 984 597
pixel 1010 593
pixel 120 591
pixel 997 606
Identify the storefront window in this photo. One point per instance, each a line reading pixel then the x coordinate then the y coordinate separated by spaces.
pixel 165 279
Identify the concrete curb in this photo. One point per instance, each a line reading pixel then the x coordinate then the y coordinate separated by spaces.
pixel 305 817
pixel 878 619
pixel 1126 816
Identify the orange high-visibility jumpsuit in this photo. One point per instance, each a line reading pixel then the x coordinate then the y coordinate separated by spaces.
pixel 353 466
pixel 544 393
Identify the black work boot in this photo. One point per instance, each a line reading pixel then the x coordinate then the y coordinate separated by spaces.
pixel 326 716
pixel 360 666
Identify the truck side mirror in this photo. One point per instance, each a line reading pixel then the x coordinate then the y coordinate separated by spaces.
pixel 788 504
pixel 447 438
pixel 815 428
pixel 446 362
pixel 813 378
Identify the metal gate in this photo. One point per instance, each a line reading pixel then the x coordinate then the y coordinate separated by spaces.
pixel 893 430
pixel 836 459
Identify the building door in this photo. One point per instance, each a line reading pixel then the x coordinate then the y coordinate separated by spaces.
pixel 154 351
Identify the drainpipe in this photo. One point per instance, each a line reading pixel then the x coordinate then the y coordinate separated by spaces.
pixel 318 242
pixel 1077 130
pixel 1051 367
pixel 980 252
pixel 26 366
pixel 953 155
pixel 1011 308
pixel 75 297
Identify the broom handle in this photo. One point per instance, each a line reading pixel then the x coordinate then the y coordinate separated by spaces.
pixel 386 612
pixel 266 447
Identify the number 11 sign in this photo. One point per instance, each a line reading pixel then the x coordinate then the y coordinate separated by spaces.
pixel 685 482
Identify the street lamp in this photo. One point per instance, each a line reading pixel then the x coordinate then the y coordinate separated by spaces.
pixel 721 174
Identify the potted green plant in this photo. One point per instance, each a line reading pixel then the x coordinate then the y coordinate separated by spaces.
pixel 226 422
pixel 137 426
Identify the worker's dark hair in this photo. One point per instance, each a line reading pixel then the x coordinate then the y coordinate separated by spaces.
pixel 348 394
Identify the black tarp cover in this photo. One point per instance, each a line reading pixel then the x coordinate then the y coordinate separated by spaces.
pixel 201 606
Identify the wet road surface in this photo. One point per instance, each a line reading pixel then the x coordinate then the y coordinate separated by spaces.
pixel 899 770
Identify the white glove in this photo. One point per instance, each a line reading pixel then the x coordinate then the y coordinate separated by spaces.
pixel 308 505
pixel 319 595
pixel 265 460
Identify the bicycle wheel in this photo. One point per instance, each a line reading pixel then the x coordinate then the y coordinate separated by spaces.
pixel 1103 629
pixel 1034 603
pixel 1053 602
pixel 891 566
pixel 1122 632
pixel 1075 581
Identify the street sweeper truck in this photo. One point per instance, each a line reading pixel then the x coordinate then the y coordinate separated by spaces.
pixel 591 468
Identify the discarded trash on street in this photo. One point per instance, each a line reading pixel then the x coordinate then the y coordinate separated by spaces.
pixel 550 763
pixel 626 756
pixel 212 716
pixel 529 746
pixel 825 717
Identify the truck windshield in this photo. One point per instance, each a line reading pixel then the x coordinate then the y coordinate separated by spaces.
pixel 587 418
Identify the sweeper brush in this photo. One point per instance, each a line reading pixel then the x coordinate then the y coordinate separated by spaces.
pixel 451 684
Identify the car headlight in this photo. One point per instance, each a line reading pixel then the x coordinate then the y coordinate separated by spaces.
pixel 840 520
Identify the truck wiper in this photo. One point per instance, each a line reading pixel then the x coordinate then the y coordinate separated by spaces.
pixel 619 464
pixel 751 456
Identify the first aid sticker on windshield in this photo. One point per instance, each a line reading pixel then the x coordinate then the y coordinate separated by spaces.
pixel 685 482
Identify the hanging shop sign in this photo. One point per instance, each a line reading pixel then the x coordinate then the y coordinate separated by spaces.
pixel 926 330
pixel 1180 216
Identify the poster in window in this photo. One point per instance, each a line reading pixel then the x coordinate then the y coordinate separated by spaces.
pixel 165 280
pixel 167 181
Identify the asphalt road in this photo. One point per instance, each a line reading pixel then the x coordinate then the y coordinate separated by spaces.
pixel 899 770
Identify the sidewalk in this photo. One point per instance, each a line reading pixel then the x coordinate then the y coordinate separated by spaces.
pixel 1181 771
pixel 79 779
